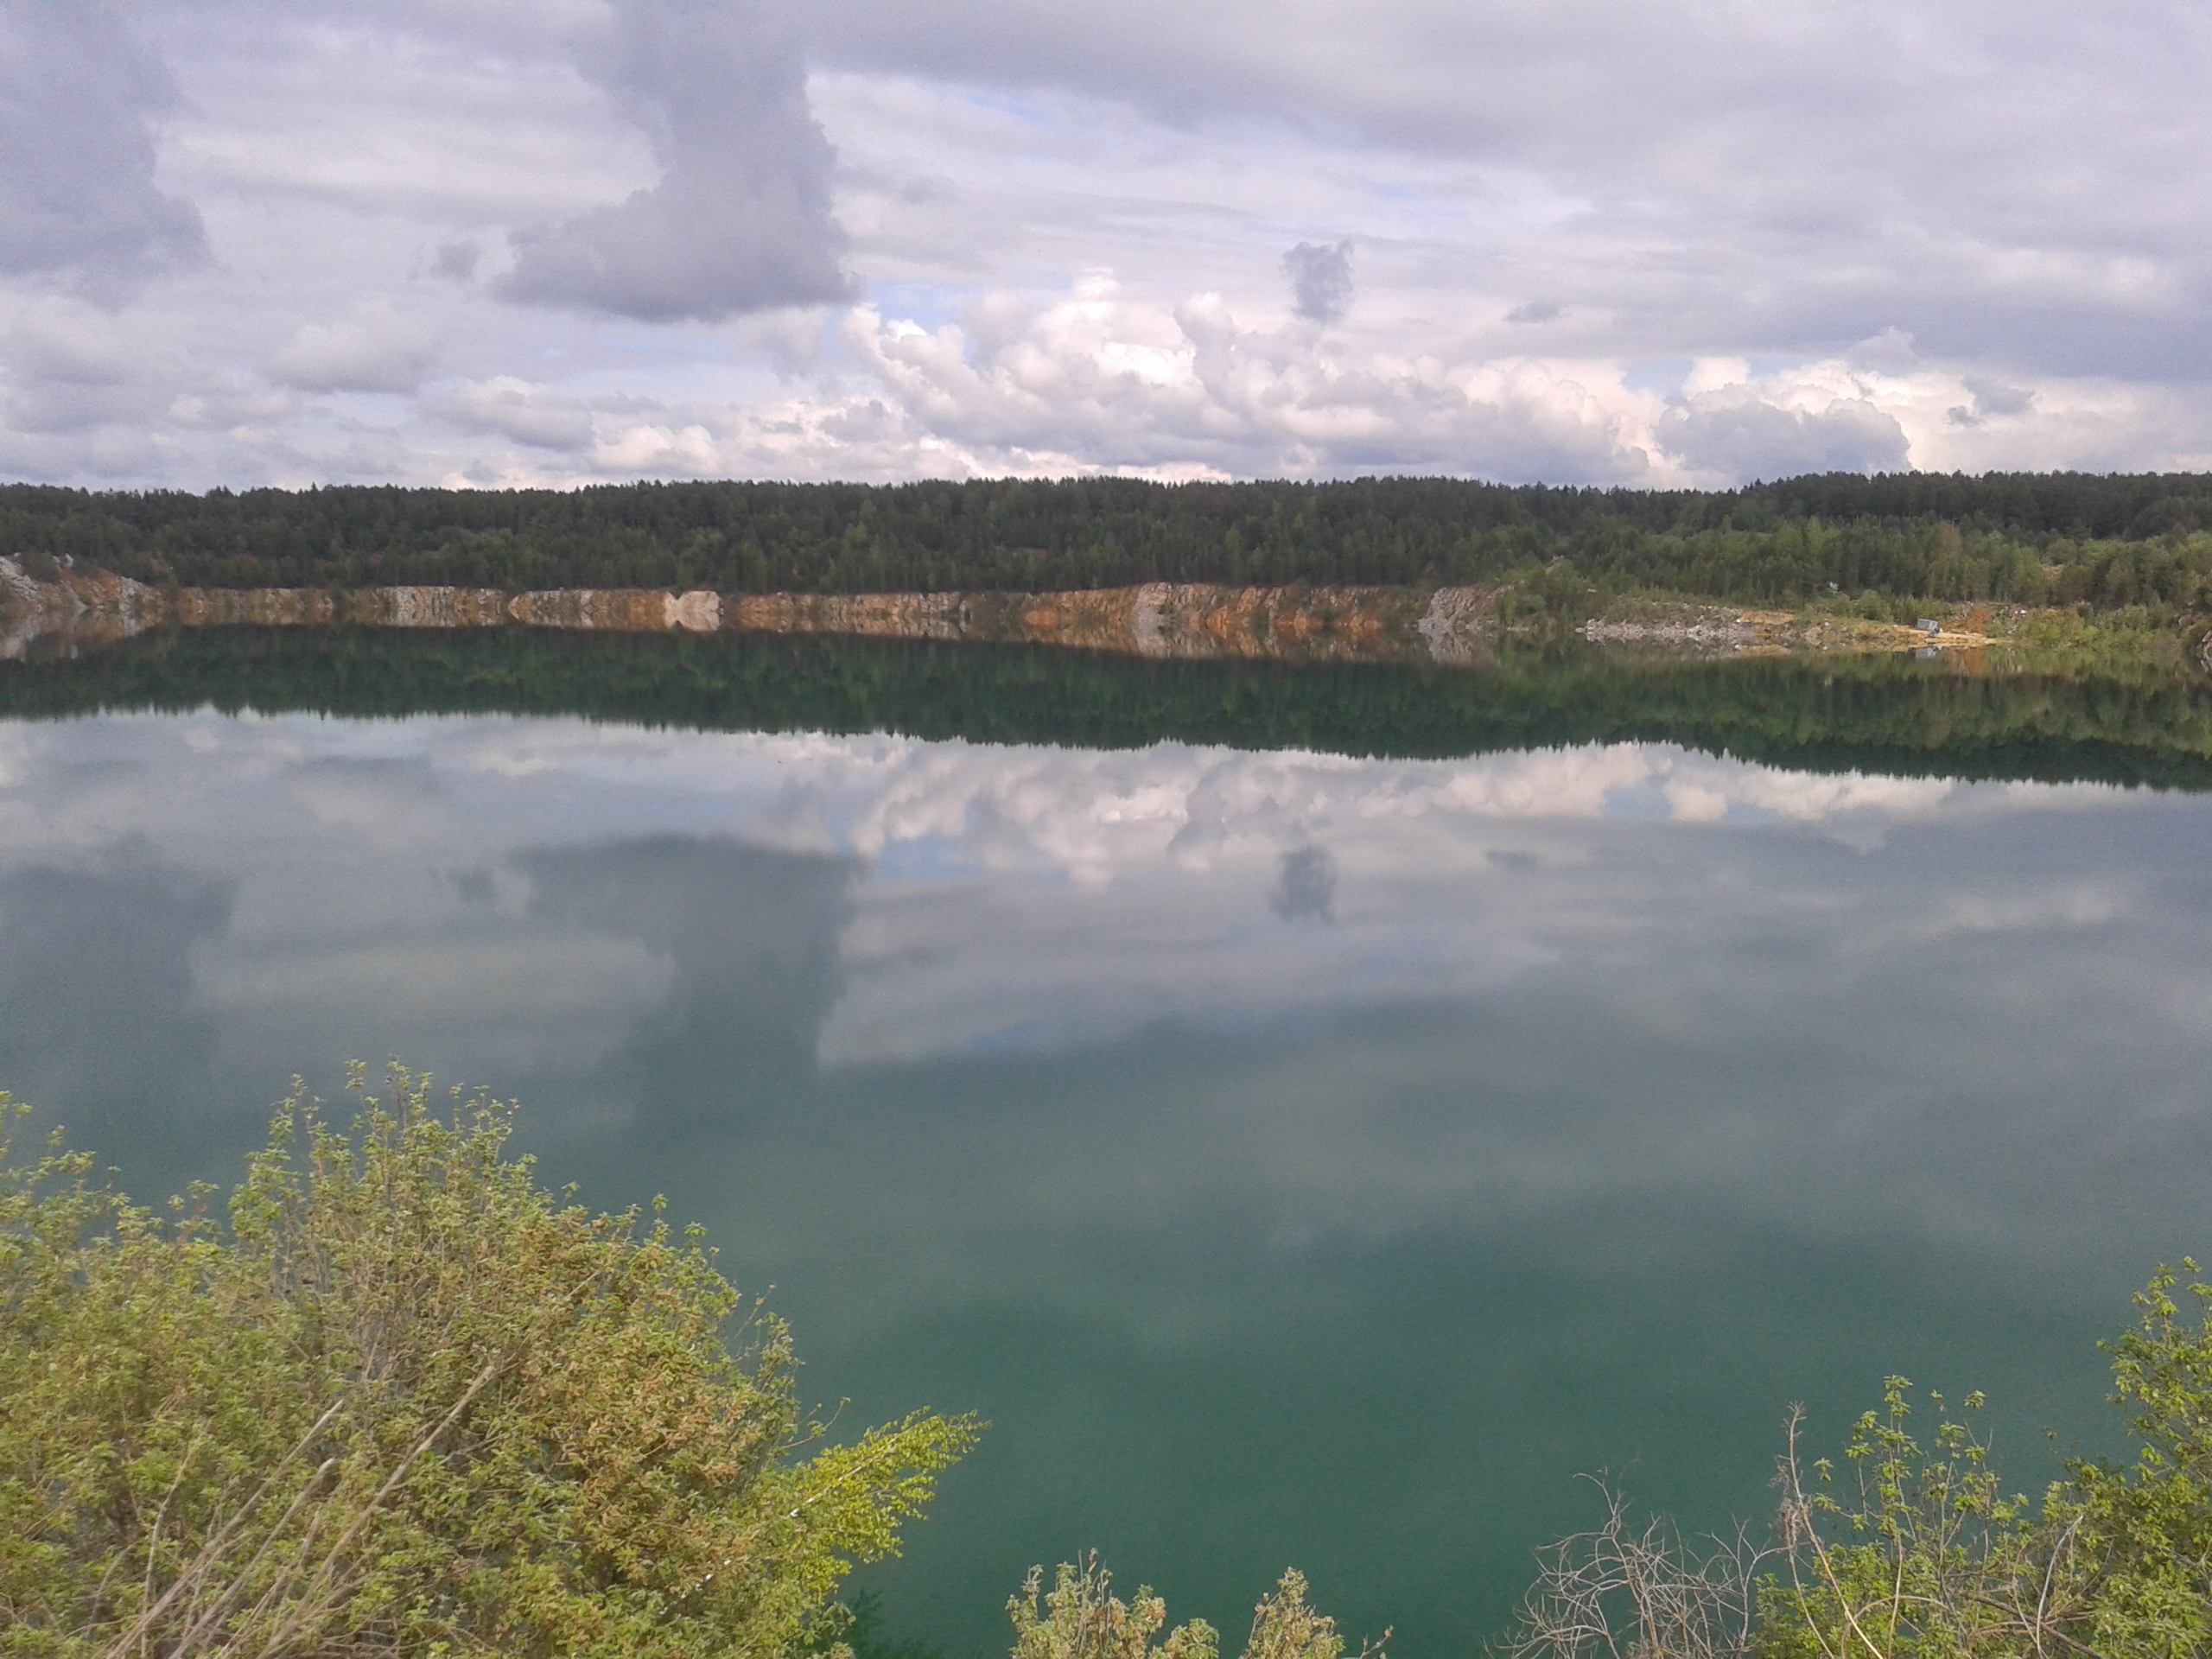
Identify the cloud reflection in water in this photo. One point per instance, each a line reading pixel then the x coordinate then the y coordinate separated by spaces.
pixel 1625 1095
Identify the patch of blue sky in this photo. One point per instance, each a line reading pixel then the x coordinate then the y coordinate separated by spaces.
pixel 930 304
pixel 1662 375
pixel 1426 208
pixel 1015 107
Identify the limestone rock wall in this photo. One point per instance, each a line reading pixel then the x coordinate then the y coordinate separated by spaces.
pixel 1165 620
pixel 624 610
pixel 1161 619
pixel 75 606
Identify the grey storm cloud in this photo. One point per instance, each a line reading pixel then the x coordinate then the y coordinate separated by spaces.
pixel 78 96
pixel 1320 280
pixel 1995 398
pixel 741 217
pixel 1990 398
pixel 1737 432
pixel 456 260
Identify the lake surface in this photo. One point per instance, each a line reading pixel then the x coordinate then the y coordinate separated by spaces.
pixel 1301 1157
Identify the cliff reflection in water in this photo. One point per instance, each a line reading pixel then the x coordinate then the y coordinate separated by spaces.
pixel 1299 1157
pixel 1880 713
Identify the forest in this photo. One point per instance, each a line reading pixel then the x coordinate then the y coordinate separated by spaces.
pixel 2064 538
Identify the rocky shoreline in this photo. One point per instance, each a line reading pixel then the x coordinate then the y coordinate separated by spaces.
pixel 74 606
pixel 1719 631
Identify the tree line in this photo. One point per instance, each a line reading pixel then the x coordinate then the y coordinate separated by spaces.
pixel 2033 539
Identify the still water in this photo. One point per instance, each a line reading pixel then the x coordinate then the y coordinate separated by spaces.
pixel 1300 1158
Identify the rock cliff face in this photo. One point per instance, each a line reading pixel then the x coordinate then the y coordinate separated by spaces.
pixel 1164 619
pixel 1713 630
pixel 73 604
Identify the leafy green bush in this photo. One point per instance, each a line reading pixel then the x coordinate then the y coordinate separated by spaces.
pixel 1925 1556
pixel 1081 1619
pixel 408 1403
pixel 1919 1553
pixel 2150 1522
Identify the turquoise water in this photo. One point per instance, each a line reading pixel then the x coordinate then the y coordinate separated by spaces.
pixel 1300 1158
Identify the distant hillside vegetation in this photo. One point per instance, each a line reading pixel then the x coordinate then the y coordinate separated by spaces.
pixel 2034 538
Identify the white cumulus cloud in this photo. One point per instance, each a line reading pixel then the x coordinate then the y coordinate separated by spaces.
pixel 1594 242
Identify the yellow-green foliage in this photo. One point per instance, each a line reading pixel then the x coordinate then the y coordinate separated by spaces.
pixel 1081 1619
pixel 1929 1559
pixel 1913 1552
pixel 2152 1518
pixel 409 1404
pixel 1925 1558
pixel 2140 644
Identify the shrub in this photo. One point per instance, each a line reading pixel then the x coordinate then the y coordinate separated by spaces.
pixel 1619 1589
pixel 408 1403
pixel 1919 1552
pixel 1081 1619
pixel 2150 1522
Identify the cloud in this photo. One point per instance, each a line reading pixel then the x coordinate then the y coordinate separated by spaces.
pixel 377 352
pixel 1995 398
pixel 72 366
pixel 535 415
pixel 456 261
pixel 741 217
pixel 1320 280
pixel 1989 398
pixel 1779 185
pixel 73 343
pixel 78 97
pixel 1986 229
pixel 1736 434
pixel 1103 380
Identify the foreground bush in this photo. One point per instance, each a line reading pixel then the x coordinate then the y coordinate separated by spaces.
pixel 1081 1619
pixel 1919 1552
pixel 408 1403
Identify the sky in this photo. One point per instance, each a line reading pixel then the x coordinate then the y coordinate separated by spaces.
pixel 490 242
